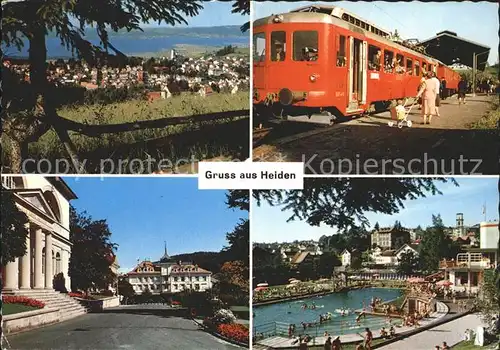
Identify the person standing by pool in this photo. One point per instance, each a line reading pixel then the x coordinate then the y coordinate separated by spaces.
pixel 328 344
pixel 368 339
pixel 336 344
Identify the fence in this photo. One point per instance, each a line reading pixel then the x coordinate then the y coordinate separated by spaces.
pixel 336 326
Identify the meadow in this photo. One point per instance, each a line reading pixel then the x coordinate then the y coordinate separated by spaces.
pixel 172 142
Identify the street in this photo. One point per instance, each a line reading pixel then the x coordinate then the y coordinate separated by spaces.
pixel 125 327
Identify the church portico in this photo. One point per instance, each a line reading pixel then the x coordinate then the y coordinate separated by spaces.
pixel 45 201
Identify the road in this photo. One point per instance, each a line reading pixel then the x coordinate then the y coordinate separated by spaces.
pixel 120 328
pixel 451 332
pixel 369 146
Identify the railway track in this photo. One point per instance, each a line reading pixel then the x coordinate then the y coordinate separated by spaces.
pixel 283 133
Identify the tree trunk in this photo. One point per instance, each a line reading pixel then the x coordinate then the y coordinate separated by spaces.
pixel 37 59
pixel 16 157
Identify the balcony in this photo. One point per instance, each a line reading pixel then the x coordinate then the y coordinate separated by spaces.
pixel 467 261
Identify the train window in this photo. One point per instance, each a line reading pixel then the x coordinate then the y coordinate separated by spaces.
pixel 424 68
pixel 278 46
pixel 389 61
pixel 259 47
pixel 417 68
pixel 409 66
pixel 374 58
pixel 341 59
pixel 305 45
pixel 400 64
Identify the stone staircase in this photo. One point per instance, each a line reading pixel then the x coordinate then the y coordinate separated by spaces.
pixel 67 306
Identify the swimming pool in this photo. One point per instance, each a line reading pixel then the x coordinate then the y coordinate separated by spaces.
pixel 276 318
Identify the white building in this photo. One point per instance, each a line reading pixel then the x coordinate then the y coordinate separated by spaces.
pixel 346 258
pixel 45 200
pixel 404 249
pixel 169 276
pixel 466 272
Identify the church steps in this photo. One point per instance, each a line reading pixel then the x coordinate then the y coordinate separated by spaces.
pixel 67 306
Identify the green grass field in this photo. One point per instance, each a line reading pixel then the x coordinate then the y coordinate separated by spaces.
pixel 49 146
pixel 9 309
pixel 491 119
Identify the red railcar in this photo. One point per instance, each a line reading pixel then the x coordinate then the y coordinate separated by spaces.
pixel 321 61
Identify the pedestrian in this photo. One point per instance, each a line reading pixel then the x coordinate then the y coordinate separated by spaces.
pixel 428 91
pixel 462 89
pixel 438 94
pixel 336 344
pixel 328 343
pixel 368 339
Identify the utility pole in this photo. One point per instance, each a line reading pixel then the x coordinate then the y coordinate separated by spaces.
pixel 474 67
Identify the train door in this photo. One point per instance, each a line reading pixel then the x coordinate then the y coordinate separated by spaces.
pixel 357 74
pixel 259 60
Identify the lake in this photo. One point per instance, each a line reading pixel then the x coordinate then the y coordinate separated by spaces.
pixel 132 45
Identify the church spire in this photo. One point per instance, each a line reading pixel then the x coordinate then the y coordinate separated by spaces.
pixel 165 256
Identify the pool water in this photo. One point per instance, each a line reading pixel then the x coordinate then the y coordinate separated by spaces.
pixel 291 312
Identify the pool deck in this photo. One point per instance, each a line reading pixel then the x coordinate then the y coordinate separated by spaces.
pixel 279 342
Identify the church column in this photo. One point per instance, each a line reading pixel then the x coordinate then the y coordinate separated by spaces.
pixel 26 264
pixel 48 261
pixel 11 279
pixel 38 259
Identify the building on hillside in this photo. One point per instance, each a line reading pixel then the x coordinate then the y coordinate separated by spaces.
pixel 386 258
pixel 466 272
pixel 405 249
pixel 302 257
pixel 386 238
pixel 459 230
pixel 347 256
pixel 45 200
pixel 169 276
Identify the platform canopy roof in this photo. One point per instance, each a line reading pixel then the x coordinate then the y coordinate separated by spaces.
pixel 449 48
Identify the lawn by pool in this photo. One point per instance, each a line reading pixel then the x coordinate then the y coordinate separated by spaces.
pixel 276 317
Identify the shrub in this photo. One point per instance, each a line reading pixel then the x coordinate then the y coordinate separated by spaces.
pixel 8 299
pixel 234 331
pixel 59 283
pixel 209 323
pixel 223 316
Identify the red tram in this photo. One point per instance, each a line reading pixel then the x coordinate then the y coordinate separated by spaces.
pixel 320 62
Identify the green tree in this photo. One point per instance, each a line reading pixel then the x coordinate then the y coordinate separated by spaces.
pixel 92 254
pixel 407 263
pixel 239 238
pixel 13 229
pixel 325 264
pixel 489 301
pixel 342 202
pixel 269 267
pixel 401 241
pixel 307 271
pixel 376 227
pixel 434 245
pixel 125 288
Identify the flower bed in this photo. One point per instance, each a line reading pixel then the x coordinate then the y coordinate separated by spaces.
pixel 77 295
pixel 234 331
pixel 14 299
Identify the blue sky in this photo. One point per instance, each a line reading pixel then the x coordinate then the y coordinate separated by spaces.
pixel 269 223
pixel 214 13
pixel 143 212
pixel 473 21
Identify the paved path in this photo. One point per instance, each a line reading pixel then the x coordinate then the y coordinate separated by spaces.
pixel 120 328
pixel 368 146
pixel 451 332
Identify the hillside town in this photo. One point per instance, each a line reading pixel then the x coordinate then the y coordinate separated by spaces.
pixel 167 76
pixel 380 254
